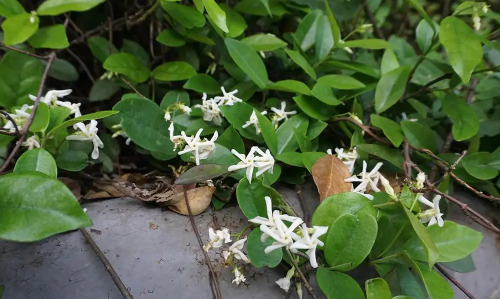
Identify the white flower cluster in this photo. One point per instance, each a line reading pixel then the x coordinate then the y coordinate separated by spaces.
pixel 280 114
pixel 217 239
pixel 263 162
pixel 254 121
pixel 176 107
pixel 476 19
pixel 193 144
pixel 349 158
pixel 285 236
pixel 210 107
pixel 432 215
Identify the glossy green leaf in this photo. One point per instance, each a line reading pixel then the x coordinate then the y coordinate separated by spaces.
pixel 51 37
pixel 103 90
pixel 350 240
pixel 465 265
pixel 101 47
pixel 373 44
pixel 238 114
pixel 268 132
pixel 341 82
pixel 57 7
pixel 10 8
pixel 217 14
pixel 306 32
pixel 264 42
pixel 63 70
pixel 248 60
pixel 72 160
pixel 324 93
pixel 419 107
pixel 477 165
pixel 286 138
pixel 201 173
pixel 186 15
pixel 231 140
pixel 464 49
pixel 259 8
pixel 174 71
pixel 333 23
pixel 353 66
pixel 236 24
pixel 19 28
pixel 126 64
pixel 437 287
pixel 137 50
pixel 251 196
pixel 465 120
pixel 42 118
pixel 341 203
pixel 203 83
pixel 37 160
pixel 290 86
pixel 395 157
pixel 324 38
pixel 336 285
pixel 418 6
pixel 391 88
pixel 291 158
pixel 302 62
pixel 377 288
pixel 419 135
pixel 309 158
pixel 174 96
pixel 256 254
pixel 46 208
pixel 95 115
pixel 425 35
pixel 57 117
pixel 390 128
pixel 169 37
pixel 389 62
pixel 410 283
pixel 314 108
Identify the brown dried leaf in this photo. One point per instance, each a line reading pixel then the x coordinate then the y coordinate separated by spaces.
pixel 329 173
pixel 72 185
pixel 108 187
pixel 93 194
pixel 199 200
pixel 153 226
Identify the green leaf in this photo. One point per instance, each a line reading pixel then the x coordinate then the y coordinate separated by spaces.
pixel 44 209
pixel 51 37
pixel 341 203
pixel 393 156
pixel 174 71
pixel 309 158
pixel 37 160
pixel 453 241
pixel 291 158
pixel 306 32
pixel 314 108
pixel 187 16
pixel 324 38
pixel 144 123
pixel 411 285
pixel 63 70
pixel 464 49
pixel 203 83
pixel 416 4
pixel 325 94
pixel 57 7
pixel 101 47
pixel 425 35
pixel 419 107
pixel 477 165
pixel 419 135
pixel 377 288
pixel 57 116
pixel 95 115
pixel 302 62
pixel 350 240
pixel 465 120
pixel 103 90
pixel 10 8
pixel 137 50
pixel 286 138
pixel 315 128
pixel 390 128
pixel 431 250
pixel 201 173
pixel 373 44
pixel 251 198
pixel 175 96
pixel 258 8
pixel 465 265
pixel 290 86
pixel 248 60
pixel 170 38
pixel 126 64
pixel 236 24
pixel 333 23
pixel 231 140
pixel 268 132
pixel 341 82
pixel 391 88
pixel 256 254
pixel 338 285
pixel 216 14
pixel 237 115
pixel 264 42
pixel 389 62
pixel 72 160
pixel 19 28
pixel 352 66
pixel 42 118
pixel 437 287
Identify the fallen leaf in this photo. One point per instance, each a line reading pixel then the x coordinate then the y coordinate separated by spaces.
pixel 108 187
pixel 153 226
pixel 329 173
pixel 199 200
pixel 72 185
pixel 95 231
pixel 93 194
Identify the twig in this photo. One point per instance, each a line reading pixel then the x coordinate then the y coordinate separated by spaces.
pixel 200 242
pixel 7 115
pixel 24 52
pixel 114 276
pixel 133 88
pixel 305 210
pixel 449 171
pixel 146 14
pixel 454 281
pixel 52 57
pixel 82 64
pixel 309 289
pixel 475 191
pixel 372 19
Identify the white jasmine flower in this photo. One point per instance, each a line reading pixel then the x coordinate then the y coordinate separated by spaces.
pixel 52 96
pixel 201 149
pixel 282 235
pixel 310 242
pixel 228 98
pixel 477 22
pixel 432 215
pixel 177 140
pixel 364 179
pixel 20 116
pixel 388 188
pixel 235 250
pixel 420 180
pixel 349 158
pixel 404 117
pixel 74 108
pixel 168 117
pixel 329 151
pixel 185 109
pixel 262 54
pixel 239 278
pixel 246 162
pixel 264 162
pixel 254 121
pixel 284 283
pixel 485 8
pixel 88 133
pixel 281 114
pixel 31 143
pixel 217 238
pixel 211 111
pixel 347 49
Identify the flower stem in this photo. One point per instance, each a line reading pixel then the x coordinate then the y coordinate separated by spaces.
pixel 387 258
pixel 390 203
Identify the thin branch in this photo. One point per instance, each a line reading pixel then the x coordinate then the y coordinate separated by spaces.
pixel 52 57
pixel 454 281
pixel 7 115
pixel 82 64
pixel 132 87
pixel 305 210
pixel 24 52
pixel 146 14
pixel 475 191
pixel 200 242
pixel 373 20
pixel 308 287
pixel 450 170
pixel 104 260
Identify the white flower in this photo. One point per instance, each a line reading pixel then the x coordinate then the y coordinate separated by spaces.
pixel 88 132
pixel 388 188
pixel 366 179
pixel 485 8
pixel 420 180
pixel 310 242
pixel 349 158
pixel 432 215
pixel 217 238
pixel 347 49
pixel 211 111
pixel 201 148
pixel 74 108
pixel 284 283
pixel 246 162
pixel 477 23
pixel 254 121
pixel 281 114
pixel 177 140
pixel 329 151
pixel 264 162
pixel 239 278
pixel 51 97
pixel 228 98
pixel 282 235
pixel 20 116
pixel 31 143
pixel 185 109
pixel 235 250
pixel 168 117
pixel 404 117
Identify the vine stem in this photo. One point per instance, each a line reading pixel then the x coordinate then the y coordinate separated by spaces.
pixel 309 289
pixel 454 281
pixel 52 57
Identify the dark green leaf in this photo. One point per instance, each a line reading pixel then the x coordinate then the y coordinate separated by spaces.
pixel 314 108
pixel 174 71
pixel 325 94
pixel 465 265
pixel 201 173
pixel 390 128
pixel 42 118
pixel 57 7
pixel 236 24
pixel 393 156
pixel 341 82
pixel 126 64
pixel 374 44
pixel 170 38
pixel 248 60
pixel 306 32
pixel 389 62
pixel 238 114
pixel 324 38
pixel 425 35
pixel 286 138
pixel 419 135
pixel 251 197
pixel 477 165
pixel 175 96
pixel 337 285
pixel 186 15
pixel 291 158
pixel 103 90
pixel 465 121
pixel 290 86
pixel 391 88
pixel 138 51
pixel 231 140
pixel 437 287
pixel 264 42
pixel 353 66
pixel 37 160
pixel 203 83
pixel 334 26
pixel 256 254
pixel 100 47
pixel 268 132
pixel 377 288
pixel 95 115
pixel 72 160
pixel 302 62
pixel 63 70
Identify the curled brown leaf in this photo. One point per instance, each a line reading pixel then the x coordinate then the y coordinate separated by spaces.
pixel 329 173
